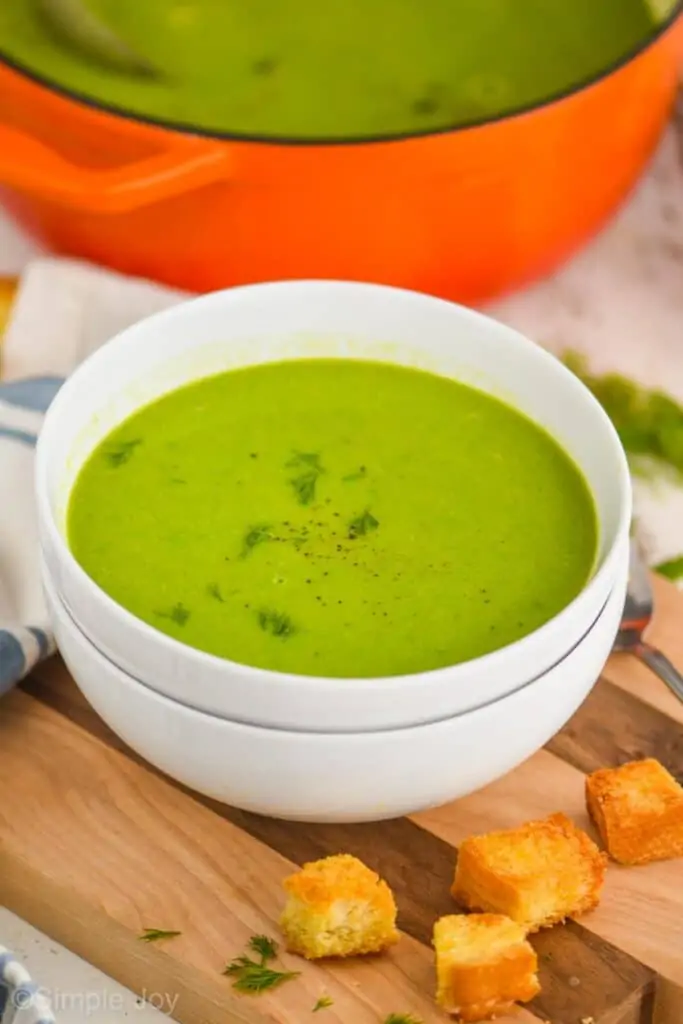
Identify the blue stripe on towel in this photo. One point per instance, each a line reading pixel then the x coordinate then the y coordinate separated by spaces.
pixel 25 1001
pixel 5 960
pixel 19 435
pixel 42 641
pixel 33 393
pixel 12 668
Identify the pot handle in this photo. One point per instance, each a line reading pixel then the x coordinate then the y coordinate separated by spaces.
pixel 188 163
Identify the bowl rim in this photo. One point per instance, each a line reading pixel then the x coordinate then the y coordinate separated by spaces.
pixel 49 584
pixel 493 661
pixel 317 738
pixel 183 128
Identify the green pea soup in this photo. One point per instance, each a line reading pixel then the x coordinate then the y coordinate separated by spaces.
pixel 343 68
pixel 334 517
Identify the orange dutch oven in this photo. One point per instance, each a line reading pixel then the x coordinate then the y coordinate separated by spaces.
pixel 466 213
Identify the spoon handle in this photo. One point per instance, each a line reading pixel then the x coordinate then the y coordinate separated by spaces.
pixel 662 667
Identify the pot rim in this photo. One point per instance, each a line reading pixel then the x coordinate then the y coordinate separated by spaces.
pixel 99 106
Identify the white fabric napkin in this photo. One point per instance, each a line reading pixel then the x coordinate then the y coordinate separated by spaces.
pixel 64 310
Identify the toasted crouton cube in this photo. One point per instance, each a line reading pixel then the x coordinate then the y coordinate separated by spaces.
pixel 338 907
pixel 638 811
pixel 537 874
pixel 484 965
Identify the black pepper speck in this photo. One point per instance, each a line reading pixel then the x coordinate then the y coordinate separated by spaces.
pixel 265 66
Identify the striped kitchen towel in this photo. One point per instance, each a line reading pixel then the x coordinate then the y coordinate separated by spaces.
pixel 21 1000
pixel 63 311
pixel 24 629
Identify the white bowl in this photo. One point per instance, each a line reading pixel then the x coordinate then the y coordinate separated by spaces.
pixel 302 319
pixel 335 777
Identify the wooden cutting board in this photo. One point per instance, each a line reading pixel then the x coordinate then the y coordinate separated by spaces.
pixel 95 846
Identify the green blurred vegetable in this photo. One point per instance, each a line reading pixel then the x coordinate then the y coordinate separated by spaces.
pixel 650 425
pixel 672 568
pixel 649 422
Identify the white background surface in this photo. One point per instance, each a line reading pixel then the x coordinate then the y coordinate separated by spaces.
pixel 621 301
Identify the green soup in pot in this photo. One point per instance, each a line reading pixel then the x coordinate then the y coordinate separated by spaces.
pixel 328 70
pixel 335 518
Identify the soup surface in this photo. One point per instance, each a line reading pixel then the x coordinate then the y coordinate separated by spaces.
pixel 334 517
pixel 333 69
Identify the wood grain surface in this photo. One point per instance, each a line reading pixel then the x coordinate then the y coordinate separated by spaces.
pixel 96 845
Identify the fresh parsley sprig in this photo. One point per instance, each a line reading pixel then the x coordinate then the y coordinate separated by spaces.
pixel 264 947
pixel 254 976
pixel 362 525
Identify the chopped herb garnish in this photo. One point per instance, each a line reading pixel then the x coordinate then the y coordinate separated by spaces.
pixel 255 975
pixel 425 105
pixel 265 947
pixel 323 1003
pixel 254 978
pixel 672 568
pixel 255 535
pixel 265 66
pixel 214 591
pixel 118 454
pixel 305 483
pixel 156 935
pixel 311 459
pixel 402 1018
pixel 276 623
pixel 298 540
pixel 304 487
pixel 360 473
pixel 178 614
pixel 363 524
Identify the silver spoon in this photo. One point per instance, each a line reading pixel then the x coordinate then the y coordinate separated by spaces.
pixel 638 611
pixel 76 26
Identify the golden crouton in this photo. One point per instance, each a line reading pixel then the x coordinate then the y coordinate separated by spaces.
pixel 638 811
pixel 484 965
pixel 338 907
pixel 537 874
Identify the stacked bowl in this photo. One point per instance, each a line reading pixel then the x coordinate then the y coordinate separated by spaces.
pixel 303 747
